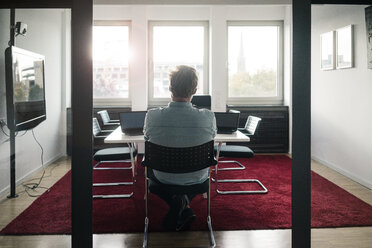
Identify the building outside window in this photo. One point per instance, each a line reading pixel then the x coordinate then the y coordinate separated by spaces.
pixel 173 43
pixel 255 62
pixel 111 59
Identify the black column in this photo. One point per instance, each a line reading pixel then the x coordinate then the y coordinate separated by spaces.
pixel 301 180
pixel 11 117
pixel 81 178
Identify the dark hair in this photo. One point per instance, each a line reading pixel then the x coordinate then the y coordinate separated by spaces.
pixel 183 81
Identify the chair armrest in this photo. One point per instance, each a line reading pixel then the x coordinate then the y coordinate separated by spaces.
pixel 100 136
pixel 107 131
pixel 112 124
pixel 115 121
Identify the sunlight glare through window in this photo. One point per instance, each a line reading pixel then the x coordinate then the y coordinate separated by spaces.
pixel 110 61
pixel 172 46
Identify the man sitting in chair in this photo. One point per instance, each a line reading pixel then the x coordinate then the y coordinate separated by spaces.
pixel 180 125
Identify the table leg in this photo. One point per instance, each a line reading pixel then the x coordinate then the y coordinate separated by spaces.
pixel 216 169
pixel 132 161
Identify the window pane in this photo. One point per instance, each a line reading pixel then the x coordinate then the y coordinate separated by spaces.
pixel 172 46
pixel 253 61
pixel 110 61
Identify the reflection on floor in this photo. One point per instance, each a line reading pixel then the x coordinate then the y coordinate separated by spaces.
pixel 321 238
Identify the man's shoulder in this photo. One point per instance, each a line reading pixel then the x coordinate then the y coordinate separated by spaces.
pixel 205 112
pixel 156 110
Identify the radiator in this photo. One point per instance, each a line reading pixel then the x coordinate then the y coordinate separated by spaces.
pixel 272 135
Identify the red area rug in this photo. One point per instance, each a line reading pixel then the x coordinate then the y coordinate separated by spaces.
pixel 331 205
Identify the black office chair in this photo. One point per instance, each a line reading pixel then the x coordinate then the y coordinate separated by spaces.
pixel 239 152
pixel 178 160
pixel 112 155
pixel 106 119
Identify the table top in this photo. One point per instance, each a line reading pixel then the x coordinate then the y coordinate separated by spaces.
pixel 118 137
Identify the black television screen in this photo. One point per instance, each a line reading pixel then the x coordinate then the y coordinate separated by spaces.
pixel 25 88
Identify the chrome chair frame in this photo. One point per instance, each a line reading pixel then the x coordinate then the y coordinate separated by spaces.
pixel 96 131
pixel 250 127
pixel 209 220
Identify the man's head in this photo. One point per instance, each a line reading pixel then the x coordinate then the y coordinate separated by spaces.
pixel 183 82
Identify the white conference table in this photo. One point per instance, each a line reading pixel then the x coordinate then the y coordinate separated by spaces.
pixel 117 137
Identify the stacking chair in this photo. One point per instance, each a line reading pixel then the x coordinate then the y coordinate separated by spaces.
pixel 226 149
pixel 113 155
pixel 178 160
pixel 106 119
pixel 241 152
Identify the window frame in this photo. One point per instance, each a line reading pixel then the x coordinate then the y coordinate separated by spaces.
pixel 275 100
pixel 160 101
pixel 114 102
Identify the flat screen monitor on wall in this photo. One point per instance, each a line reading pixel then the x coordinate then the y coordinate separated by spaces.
pixel 25 88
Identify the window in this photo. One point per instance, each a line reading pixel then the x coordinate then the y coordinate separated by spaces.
pixel 111 57
pixel 255 62
pixel 176 43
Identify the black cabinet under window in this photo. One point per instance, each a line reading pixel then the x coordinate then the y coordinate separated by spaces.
pixel 272 135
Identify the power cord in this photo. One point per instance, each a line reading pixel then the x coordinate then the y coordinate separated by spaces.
pixel 33 186
pixel 30 186
pixel 2 124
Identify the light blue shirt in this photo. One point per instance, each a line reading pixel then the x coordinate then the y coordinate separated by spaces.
pixel 180 125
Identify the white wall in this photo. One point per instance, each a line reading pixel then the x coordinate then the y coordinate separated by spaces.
pixel 217 15
pixel 341 99
pixel 287 97
pixel 44 36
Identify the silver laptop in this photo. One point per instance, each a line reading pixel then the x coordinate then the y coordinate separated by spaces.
pixel 132 122
pixel 227 123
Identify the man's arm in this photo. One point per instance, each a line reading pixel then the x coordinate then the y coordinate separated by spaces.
pixel 145 127
pixel 214 126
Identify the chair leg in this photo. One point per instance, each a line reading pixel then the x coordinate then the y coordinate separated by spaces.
pixel 209 220
pixel 211 236
pixel 232 192
pixel 114 196
pixel 145 233
pixel 112 168
pixel 118 196
pixel 241 167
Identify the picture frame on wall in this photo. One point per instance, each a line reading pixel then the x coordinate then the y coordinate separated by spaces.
pixel 368 13
pixel 344 47
pixel 327 58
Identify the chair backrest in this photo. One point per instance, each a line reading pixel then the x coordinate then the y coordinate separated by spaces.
pixel 178 160
pixel 234 111
pixel 105 116
pixel 96 128
pixel 252 124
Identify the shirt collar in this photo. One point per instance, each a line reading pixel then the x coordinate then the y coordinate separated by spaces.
pixel 180 104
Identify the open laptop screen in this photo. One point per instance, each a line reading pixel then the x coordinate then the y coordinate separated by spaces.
pixel 132 121
pixel 201 101
pixel 227 121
